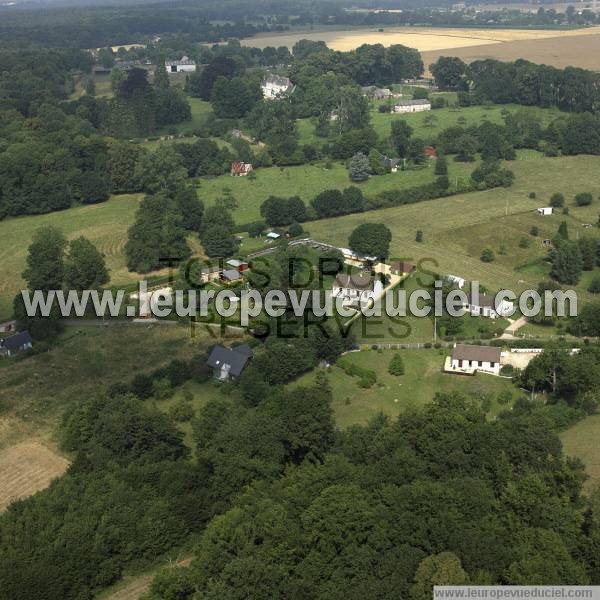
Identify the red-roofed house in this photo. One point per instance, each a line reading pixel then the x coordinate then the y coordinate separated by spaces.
pixel 240 169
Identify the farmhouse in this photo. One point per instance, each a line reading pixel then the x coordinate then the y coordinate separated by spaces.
pixel 229 363
pixel 402 268
pixel 470 359
pixel 240 169
pixel 239 265
pixel 210 274
pixel 412 106
pixel 273 235
pixel 392 164
pixel 485 306
pixel 15 344
pixel 356 288
pixel 371 91
pixel 430 152
pixel 544 211
pixel 274 86
pixel 184 65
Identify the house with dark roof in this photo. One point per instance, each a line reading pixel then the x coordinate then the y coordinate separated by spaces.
pixel 356 288
pixel 231 276
pixel 469 359
pixel 229 363
pixel 15 344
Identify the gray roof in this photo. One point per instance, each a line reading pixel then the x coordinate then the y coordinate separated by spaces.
pixel 356 282
pixel 412 102
pixel 480 353
pixel 236 358
pixel 16 342
pixel 184 61
pixel 231 275
pixel 485 300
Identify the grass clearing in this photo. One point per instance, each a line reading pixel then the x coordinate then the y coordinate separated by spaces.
pixel 392 395
pixel 307 181
pixel 581 441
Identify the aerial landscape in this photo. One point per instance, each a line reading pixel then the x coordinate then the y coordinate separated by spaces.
pixel 299 300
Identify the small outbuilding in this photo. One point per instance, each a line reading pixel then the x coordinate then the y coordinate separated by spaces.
pixel 15 344
pixel 544 211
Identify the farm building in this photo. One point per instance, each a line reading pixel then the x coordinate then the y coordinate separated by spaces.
pixel 15 344
pixel 371 91
pixel 274 86
pixel 402 268
pixel 459 282
pixel 8 327
pixel 273 235
pixel 240 169
pixel 469 359
pixel 184 65
pixel 430 152
pixel 229 363
pixel 485 305
pixel 392 164
pixel 544 211
pixel 210 274
pixel 412 106
pixel 239 265
pixel 356 288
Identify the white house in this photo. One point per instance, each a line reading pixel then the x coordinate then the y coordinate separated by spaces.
pixel 412 106
pixel 469 359
pixel 544 211
pixel 184 65
pixel 459 282
pixel 357 288
pixel 485 305
pixel 274 86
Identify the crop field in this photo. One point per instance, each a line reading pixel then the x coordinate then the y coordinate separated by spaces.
pixel 27 468
pixel 458 228
pixel 581 441
pixel 307 181
pixel 421 38
pixel 580 48
pixel 392 395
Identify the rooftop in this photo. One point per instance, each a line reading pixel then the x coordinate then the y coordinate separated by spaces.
pixel 356 282
pixel 480 353
pixel 236 358
pixel 412 102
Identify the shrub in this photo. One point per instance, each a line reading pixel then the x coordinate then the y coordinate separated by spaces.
pixel 524 242
pixel 532 195
pixel 594 286
pixel 557 200
pixel 487 255
pixel 534 231
pixel 181 411
pixel 419 235
pixel 584 199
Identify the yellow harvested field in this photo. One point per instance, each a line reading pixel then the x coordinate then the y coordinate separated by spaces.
pixel 422 38
pixel 27 468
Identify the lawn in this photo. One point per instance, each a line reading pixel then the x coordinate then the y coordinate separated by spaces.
pixel 103 224
pixel 581 441
pixel 443 118
pixel 392 395
pixel 307 181
pixel 458 228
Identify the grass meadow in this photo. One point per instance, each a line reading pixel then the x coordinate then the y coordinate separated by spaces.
pixel 392 395
pixel 581 441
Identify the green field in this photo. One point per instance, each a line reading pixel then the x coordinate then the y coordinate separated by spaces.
pixel 458 228
pixel 581 441
pixel 391 395
pixel 444 118
pixel 104 224
pixel 307 181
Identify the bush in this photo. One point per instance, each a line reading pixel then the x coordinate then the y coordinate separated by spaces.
pixel 584 199
pixel 181 411
pixel 487 255
pixel 594 286
pixel 419 236
pixel 534 231
pixel 524 242
pixel 557 200
pixel 532 195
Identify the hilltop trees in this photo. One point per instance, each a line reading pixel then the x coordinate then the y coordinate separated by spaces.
pixel 371 239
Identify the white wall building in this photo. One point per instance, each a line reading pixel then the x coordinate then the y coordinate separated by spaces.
pixel 485 306
pixel 412 106
pixel 357 288
pixel 274 86
pixel 184 65
pixel 476 358
pixel 545 211
pixel 459 282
